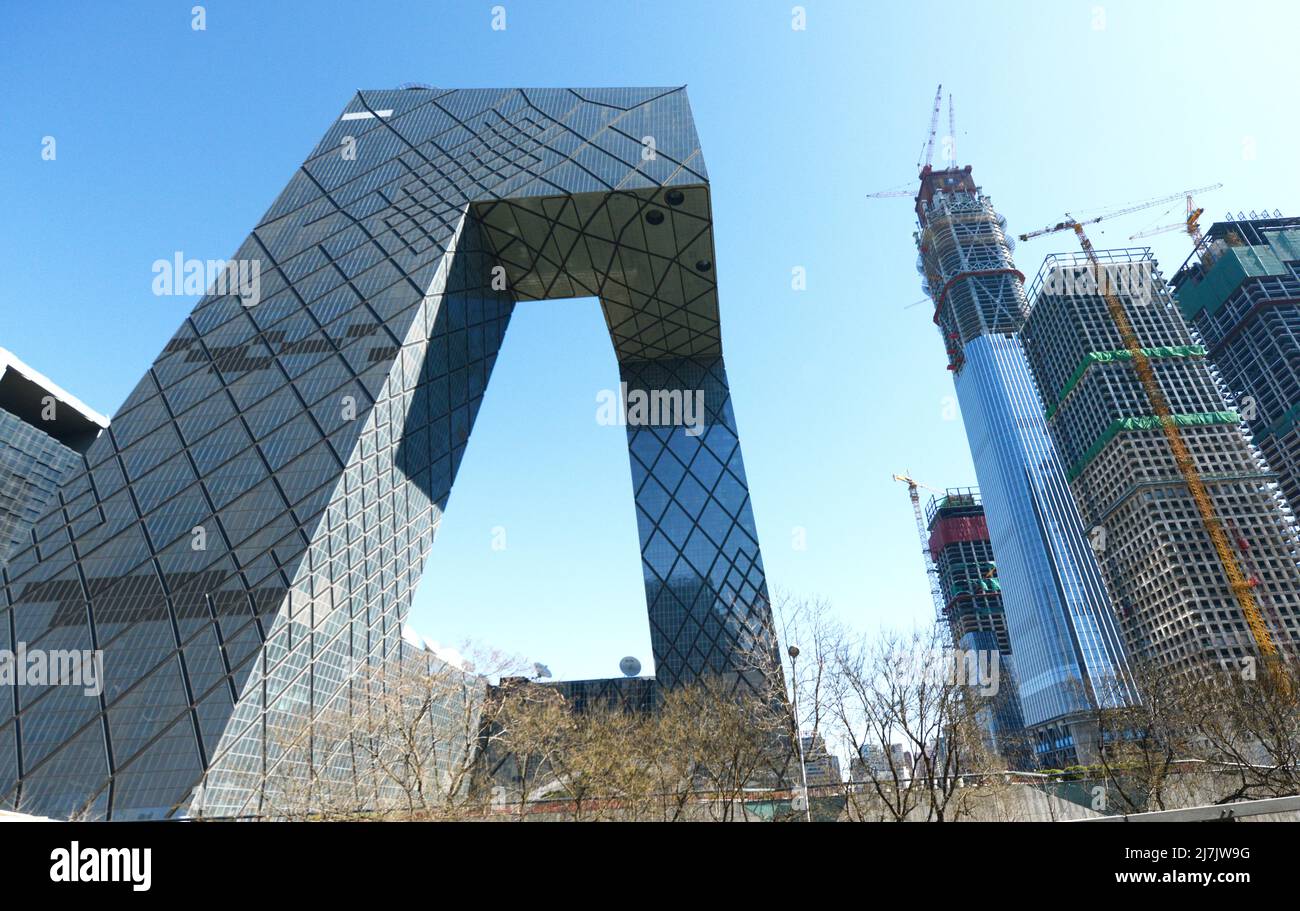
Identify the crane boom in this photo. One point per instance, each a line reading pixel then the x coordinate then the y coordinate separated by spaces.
pixel 934 127
pixel 887 194
pixel 1070 222
pixel 931 571
pixel 952 134
pixel 1190 224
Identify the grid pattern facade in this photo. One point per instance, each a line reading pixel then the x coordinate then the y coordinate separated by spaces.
pixel 248 534
pixel 1069 653
pixel 1169 585
pixel 963 557
pixel 32 464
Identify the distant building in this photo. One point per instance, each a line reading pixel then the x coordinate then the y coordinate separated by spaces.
pixel 822 767
pixel 874 761
pixel 43 433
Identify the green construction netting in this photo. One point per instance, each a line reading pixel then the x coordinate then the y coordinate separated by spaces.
pixel 1106 357
pixel 1150 422
pixel 1233 266
pixel 975 586
pixel 1282 425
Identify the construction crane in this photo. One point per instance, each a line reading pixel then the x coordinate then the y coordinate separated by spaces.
pixel 952 133
pixel 927 148
pixel 1190 224
pixel 1072 223
pixel 1241 587
pixel 928 155
pixel 907 190
pixel 1248 564
pixel 931 571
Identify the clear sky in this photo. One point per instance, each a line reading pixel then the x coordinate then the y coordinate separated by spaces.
pixel 170 139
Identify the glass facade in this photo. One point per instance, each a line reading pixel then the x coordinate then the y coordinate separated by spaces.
pixel 32 463
pixel 1058 612
pixel 249 532
pixel 1069 655
pixel 43 431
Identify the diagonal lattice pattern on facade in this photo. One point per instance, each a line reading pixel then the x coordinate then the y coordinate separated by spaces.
pixel 249 532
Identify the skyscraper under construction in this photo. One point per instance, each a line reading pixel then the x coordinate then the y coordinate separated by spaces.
pixel 1196 546
pixel 968 578
pixel 1240 291
pixel 1069 654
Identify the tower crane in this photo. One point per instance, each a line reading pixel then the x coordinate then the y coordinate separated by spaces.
pixel 1190 224
pixel 928 154
pixel 1072 223
pixel 931 571
pixel 1241 587
pixel 927 148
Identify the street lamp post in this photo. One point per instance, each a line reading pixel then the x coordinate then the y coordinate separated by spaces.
pixel 793 652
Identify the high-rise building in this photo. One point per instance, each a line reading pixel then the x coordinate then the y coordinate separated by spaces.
pixel 968 575
pixel 875 761
pixel 820 765
pixel 963 557
pixel 1240 291
pixel 1177 606
pixel 1069 653
pixel 249 531
pixel 43 433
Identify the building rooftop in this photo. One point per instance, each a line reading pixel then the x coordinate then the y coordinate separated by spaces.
pixel 23 391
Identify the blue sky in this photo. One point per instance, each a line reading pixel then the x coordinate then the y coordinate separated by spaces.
pixel 170 139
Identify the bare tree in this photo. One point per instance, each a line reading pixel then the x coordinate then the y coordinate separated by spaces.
pixel 404 738
pixel 1143 735
pixel 1247 724
pixel 904 689
pixel 531 725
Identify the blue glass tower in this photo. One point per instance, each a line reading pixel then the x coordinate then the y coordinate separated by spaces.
pixel 1069 654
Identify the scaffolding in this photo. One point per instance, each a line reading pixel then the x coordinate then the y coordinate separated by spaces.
pixel 1163 485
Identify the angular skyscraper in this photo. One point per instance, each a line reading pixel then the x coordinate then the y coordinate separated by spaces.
pixel 43 433
pixel 1069 654
pixel 1240 291
pixel 1175 598
pixel 249 531
pixel 968 574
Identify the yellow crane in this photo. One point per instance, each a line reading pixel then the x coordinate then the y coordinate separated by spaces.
pixel 1071 222
pixel 1190 224
pixel 1242 588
